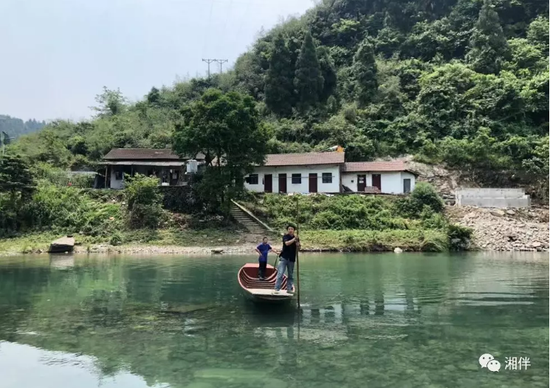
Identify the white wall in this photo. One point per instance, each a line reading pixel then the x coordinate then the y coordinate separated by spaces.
pixel 391 182
pixel 303 188
pixel 115 183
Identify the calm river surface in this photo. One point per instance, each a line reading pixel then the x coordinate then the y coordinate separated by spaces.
pixel 378 320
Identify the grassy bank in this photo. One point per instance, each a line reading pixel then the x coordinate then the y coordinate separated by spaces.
pixel 136 217
pixel 365 223
pixel 374 241
pixel 40 242
pixel 312 240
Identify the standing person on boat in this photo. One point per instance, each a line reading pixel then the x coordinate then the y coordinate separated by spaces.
pixel 291 243
pixel 263 249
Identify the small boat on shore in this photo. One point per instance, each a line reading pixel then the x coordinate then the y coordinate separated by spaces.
pixel 262 290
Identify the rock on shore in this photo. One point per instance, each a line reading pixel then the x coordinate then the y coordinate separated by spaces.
pixel 505 229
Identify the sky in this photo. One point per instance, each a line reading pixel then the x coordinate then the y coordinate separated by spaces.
pixel 57 55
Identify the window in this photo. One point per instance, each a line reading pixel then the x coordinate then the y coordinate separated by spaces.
pixel 406 185
pixel 118 175
pixel 252 179
pixel 296 179
pixel 327 177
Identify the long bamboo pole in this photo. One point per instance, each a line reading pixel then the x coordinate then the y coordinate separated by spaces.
pixel 297 256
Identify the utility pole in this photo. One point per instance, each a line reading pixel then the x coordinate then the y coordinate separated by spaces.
pixel 209 61
pixel 221 62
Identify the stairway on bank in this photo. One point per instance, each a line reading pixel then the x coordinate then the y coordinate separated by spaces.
pixel 247 221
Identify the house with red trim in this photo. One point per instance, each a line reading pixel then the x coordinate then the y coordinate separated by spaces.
pixel 327 172
pixel 384 177
pixel 312 172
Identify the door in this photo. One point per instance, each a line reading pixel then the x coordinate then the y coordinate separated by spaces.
pixel 282 183
pixel 406 185
pixel 361 182
pixel 377 181
pixel 174 177
pixel 312 183
pixel 268 183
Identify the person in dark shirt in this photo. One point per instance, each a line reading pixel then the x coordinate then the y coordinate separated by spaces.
pixel 291 243
pixel 263 249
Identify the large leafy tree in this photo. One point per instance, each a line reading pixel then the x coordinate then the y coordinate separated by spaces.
pixel 364 68
pixel 309 80
pixel 488 46
pixel 226 128
pixel 110 103
pixel 15 176
pixel 279 77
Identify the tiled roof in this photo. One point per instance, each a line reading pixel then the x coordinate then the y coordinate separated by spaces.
pixel 144 154
pixel 310 158
pixel 397 165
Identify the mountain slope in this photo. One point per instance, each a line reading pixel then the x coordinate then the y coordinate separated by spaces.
pixel 459 82
pixel 15 127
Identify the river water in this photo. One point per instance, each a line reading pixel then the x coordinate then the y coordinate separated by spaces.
pixel 369 320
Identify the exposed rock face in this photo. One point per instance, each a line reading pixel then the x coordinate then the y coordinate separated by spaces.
pixel 505 230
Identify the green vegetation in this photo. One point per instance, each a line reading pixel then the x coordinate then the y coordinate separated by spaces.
pixel 463 83
pixel 374 241
pixel 144 202
pixel 34 211
pixel 366 223
pixel 226 129
pixel 125 238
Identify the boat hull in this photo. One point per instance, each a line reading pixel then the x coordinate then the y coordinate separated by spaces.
pixel 262 291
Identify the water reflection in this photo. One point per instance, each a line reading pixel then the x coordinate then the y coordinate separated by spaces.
pixel 183 321
pixel 61 262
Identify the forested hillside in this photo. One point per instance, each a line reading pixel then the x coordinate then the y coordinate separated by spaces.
pixel 459 82
pixel 15 127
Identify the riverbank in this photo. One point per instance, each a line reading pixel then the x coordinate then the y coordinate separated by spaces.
pixel 504 230
pixel 494 230
pixel 232 242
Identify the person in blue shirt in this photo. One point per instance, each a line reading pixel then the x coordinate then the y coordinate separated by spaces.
pixel 263 249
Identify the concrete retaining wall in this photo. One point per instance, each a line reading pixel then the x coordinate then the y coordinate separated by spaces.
pixel 496 198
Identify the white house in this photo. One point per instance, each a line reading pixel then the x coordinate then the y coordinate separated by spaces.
pixel 326 172
pixel 385 177
pixel 314 172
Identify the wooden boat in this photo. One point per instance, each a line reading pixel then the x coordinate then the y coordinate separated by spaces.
pixel 262 290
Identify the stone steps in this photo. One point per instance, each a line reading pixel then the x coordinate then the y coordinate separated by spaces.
pixel 245 221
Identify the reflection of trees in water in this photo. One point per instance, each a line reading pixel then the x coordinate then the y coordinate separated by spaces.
pixel 165 323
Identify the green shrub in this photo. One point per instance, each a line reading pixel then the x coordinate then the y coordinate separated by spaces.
pixel 330 212
pixel 425 194
pixel 423 199
pixel 459 237
pixel 61 177
pixel 116 239
pixel 61 210
pixel 144 202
